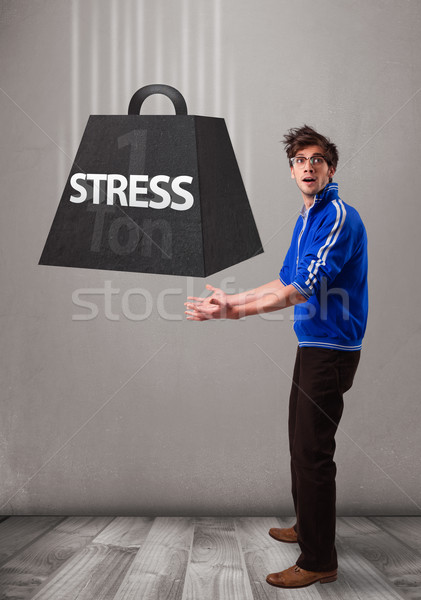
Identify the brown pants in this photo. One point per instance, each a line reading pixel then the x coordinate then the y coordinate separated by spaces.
pixel 320 379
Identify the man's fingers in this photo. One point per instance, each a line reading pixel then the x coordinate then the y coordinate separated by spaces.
pixel 191 316
pixel 200 311
pixel 192 306
pixel 208 311
pixel 195 316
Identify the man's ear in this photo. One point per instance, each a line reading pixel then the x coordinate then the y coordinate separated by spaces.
pixel 292 173
pixel 331 172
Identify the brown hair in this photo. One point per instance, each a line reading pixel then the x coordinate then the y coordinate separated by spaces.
pixel 300 137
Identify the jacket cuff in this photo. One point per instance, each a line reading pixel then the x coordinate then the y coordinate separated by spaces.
pixel 304 290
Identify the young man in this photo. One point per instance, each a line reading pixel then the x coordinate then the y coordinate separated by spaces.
pixel 324 276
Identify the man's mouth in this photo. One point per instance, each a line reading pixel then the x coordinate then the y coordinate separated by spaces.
pixel 309 179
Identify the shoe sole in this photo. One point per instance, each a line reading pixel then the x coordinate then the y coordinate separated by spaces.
pixel 296 587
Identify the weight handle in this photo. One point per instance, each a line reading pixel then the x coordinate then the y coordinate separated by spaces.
pixel 174 95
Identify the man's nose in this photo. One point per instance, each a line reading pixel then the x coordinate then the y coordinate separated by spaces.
pixel 308 166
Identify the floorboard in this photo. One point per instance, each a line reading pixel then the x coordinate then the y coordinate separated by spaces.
pixel 17 532
pixel 96 573
pixel 361 580
pixel 216 569
pixel 405 529
pixel 87 527
pixel 30 568
pixel 127 532
pixel 177 558
pixel 159 568
pixel 398 563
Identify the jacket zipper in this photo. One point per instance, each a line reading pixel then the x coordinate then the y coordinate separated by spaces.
pixel 300 236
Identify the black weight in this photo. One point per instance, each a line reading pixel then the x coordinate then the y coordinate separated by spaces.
pixel 113 216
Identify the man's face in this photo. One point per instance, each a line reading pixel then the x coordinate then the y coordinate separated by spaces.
pixel 311 179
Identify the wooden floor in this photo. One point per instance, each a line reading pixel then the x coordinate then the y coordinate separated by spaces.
pixel 174 558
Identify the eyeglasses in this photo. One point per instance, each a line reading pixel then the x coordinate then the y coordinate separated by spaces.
pixel 315 161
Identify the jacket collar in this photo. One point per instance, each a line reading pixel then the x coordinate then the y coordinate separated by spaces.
pixel 328 193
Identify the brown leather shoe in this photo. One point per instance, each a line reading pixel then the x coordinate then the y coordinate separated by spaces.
pixel 289 536
pixel 294 577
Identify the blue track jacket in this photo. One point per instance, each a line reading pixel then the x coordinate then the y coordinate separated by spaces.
pixel 327 264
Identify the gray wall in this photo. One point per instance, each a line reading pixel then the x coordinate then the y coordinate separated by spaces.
pixel 137 410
